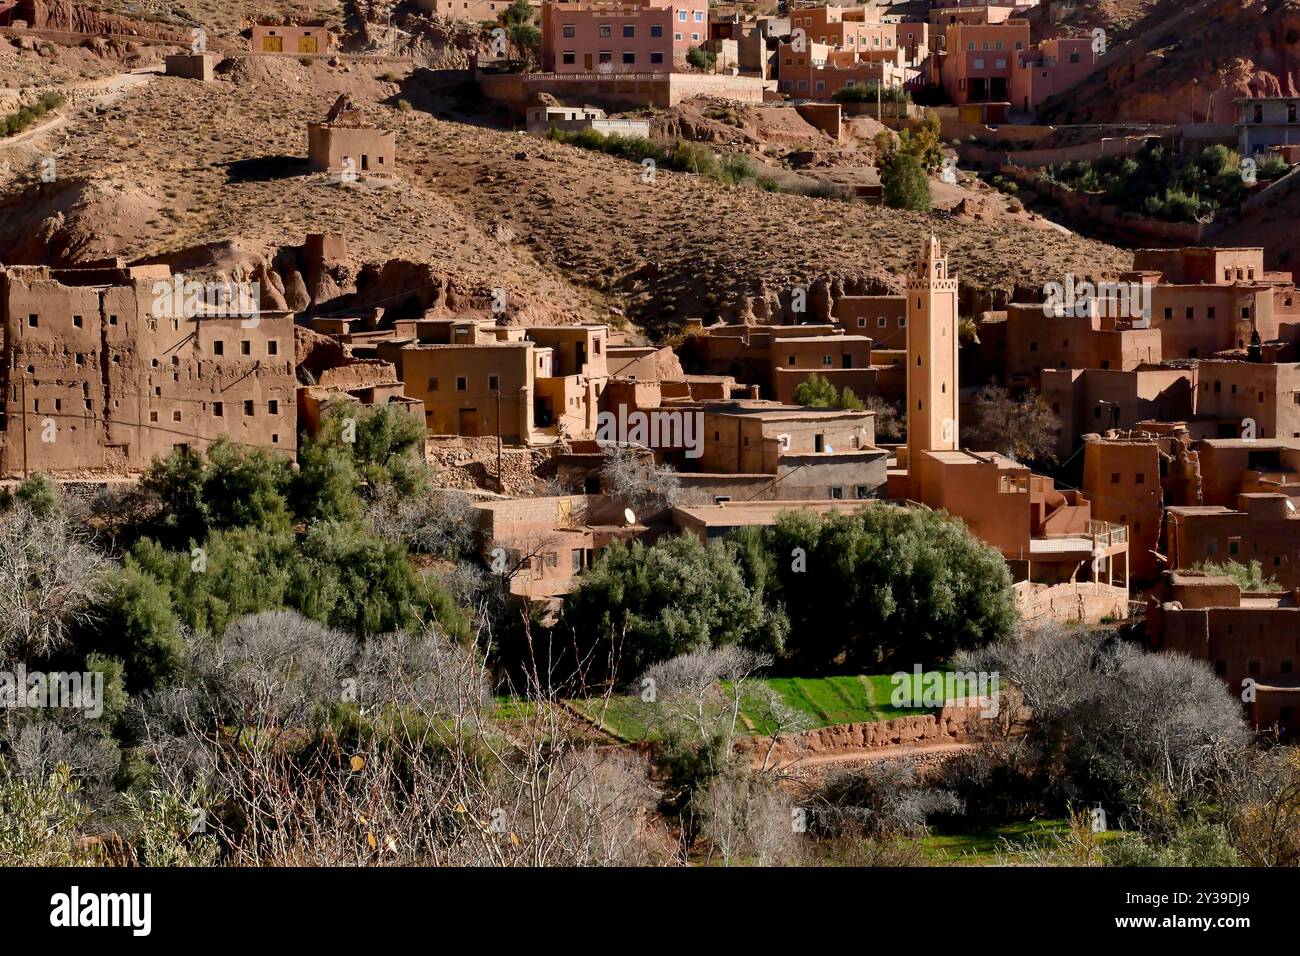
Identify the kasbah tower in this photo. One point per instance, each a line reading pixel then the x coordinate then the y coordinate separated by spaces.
pixel 931 361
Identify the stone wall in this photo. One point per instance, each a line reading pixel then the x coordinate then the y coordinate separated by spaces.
pixel 953 724
pixel 1087 601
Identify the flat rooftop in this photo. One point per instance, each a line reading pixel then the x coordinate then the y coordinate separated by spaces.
pixel 744 513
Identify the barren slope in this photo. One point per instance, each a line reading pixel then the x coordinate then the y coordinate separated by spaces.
pixel 484 207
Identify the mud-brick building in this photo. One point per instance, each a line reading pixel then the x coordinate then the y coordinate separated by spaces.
pixel 1252 640
pixel 347 142
pixel 299 39
pixel 101 373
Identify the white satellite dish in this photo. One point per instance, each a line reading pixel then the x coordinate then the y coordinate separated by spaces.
pixel 1290 506
pixel 629 516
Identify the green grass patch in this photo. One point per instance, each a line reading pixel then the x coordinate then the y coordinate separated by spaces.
pixel 824 702
pixel 995 844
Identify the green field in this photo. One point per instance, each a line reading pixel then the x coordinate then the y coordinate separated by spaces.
pixel 823 701
pixel 993 846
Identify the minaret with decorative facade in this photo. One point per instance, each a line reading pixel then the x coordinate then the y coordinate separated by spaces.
pixel 931 359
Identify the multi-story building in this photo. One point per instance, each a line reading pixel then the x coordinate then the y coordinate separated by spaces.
pixel 982 60
pixel 1051 67
pixel 621 36
pixel 477 379
pixel 1087 401
pixel 107 368
pixel 1264 122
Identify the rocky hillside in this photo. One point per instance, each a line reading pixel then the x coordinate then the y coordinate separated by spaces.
pixel 1187 60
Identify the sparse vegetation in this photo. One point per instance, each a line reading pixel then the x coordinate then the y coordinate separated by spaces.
pixel 15 123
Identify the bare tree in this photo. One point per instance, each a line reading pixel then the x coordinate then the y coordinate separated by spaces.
pixel 1023 429
pixel 50 581
pixel 630 478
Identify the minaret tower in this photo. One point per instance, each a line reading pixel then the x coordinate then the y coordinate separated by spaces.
pixel 931 359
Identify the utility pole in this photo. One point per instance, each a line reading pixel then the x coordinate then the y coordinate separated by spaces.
pixel 501 485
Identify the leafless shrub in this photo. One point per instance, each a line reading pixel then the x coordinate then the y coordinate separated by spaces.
pixel 631 479
pixel 885 798
pixel 40 745
pixel 50 581
pixel 439 521
pixel 426 670
pixel 274 669
pixel 441 777
pixel 701 691
pixel 747 818
pixel 1261 797
pixel 1150 729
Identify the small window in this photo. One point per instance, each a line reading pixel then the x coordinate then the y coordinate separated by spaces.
pixel 176 415
pixel 433 383
pixel 837 492
pixel 629 31
pixel 33 321
pixel 218 347
pixel 462 383
pixel 248 408
pixel 273 347
pixel 273 406
pixel 76 321
pixel 245 347
pixel 494 383
pixel 218 410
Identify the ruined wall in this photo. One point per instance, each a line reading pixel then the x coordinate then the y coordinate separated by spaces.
pixel 94 380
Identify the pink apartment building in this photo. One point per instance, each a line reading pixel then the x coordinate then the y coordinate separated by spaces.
pixel 1052 67
pixel 982 61
pixel 624 36
pixel 850 29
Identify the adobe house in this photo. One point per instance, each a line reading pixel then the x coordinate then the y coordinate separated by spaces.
pixel 347 142
pixel 305 39
pixel 547 542
pixel 98 376
pixel 367 383
pixel 1264 527
pixel 1251 640
pixel 789 452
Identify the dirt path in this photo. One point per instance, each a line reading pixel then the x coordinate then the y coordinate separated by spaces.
pixel 102 90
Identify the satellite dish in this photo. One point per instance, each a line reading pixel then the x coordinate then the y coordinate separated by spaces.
pixel 629 516
pixel 1290 506
pixel 830 450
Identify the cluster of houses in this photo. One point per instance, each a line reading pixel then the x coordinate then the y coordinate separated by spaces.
pixel 977 51
pixel 1186 413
